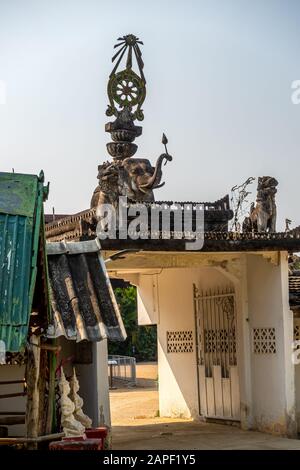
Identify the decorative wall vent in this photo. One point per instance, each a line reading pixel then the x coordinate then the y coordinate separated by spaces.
pixel 264 341
pixel 220 341
pixel 180 342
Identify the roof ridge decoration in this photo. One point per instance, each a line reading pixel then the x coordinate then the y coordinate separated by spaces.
pixel 126 93
pixel 133 178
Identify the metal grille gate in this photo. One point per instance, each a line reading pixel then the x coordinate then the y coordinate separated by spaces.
pixel 216 353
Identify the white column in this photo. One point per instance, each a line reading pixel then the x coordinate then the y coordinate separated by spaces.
pixel 273 375
pixel 93 380
pixel 102 381
pixel 288 336
pixel 244 348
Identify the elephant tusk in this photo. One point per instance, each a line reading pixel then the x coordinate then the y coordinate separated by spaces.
pixel 142 190
pixel 146 185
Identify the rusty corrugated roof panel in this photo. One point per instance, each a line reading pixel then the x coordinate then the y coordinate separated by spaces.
pixel 82 299
pixel 21 211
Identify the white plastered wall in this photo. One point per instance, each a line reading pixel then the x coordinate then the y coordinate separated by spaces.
pixel 267 388
pixel 272 374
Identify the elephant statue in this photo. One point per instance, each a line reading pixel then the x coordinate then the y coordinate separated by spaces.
pixel 134 178
pixel 138 178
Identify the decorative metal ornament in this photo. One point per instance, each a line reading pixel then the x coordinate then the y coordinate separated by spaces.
pixel 227 305
pixel 126 88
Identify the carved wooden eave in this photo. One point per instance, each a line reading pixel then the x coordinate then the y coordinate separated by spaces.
pixel 72 228
pixel 172 252
pixel 214 242
pixel 82 226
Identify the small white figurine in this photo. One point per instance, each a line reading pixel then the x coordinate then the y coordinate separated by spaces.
pixel 70 425
pixel 78 402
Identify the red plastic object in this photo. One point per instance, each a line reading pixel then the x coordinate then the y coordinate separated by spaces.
pixel 85 444
pixel 97 433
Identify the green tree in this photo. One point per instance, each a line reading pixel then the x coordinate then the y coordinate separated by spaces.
pixel 141 341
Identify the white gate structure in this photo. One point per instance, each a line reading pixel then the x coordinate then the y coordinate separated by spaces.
pixel 218 382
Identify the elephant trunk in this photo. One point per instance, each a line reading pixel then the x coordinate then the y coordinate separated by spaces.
pixel 154 180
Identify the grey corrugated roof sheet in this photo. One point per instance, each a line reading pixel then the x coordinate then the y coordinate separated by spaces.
pixel 82 299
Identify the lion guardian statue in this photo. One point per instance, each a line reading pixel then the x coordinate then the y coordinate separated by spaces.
pixel 262 217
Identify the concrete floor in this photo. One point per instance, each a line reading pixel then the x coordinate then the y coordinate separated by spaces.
pixel 184 435
pixel 136 424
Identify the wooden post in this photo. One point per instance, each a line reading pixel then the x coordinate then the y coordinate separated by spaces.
pixel 51 394
pixel 32 379
pixel 42 392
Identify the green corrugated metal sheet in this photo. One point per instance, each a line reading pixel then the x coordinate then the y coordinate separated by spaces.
pixel 21 201
pixel 18 194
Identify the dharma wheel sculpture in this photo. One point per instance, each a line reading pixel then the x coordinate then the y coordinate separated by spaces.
pixel 126 88
pixel 126 92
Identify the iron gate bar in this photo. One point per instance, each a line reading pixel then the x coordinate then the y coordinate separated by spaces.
pixel 215 295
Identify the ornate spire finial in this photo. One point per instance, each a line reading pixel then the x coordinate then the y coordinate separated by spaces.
pixel 126 89
pixel 126 92
pixel 131 43
pixel 134 178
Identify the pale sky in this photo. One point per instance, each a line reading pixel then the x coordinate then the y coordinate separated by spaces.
pixel 219 77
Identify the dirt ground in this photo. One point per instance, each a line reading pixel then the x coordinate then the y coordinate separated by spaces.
pixel 135 403
pixel 136 425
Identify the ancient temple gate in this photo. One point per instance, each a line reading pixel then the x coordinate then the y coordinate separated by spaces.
pixel 265 366
pixel 218 381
